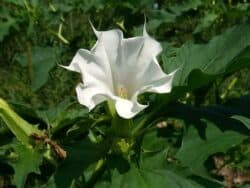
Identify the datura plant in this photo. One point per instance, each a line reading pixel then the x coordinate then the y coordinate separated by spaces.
pixel 140 123
pixel 117 69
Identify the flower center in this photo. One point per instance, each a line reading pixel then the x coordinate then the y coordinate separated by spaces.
pixel 122 92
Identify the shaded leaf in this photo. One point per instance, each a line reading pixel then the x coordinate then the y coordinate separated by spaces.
pixel 64 114
pixel 158 17
pixel 195 149
pixel 80 156
pixel 153 143
pixel 6 22
pixel 42 60
pixel 242 119
pixel 185 6
pixel 206 21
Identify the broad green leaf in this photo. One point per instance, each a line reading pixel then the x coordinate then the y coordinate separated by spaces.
pixel 149 178
pixel 62 115
pixel 152 171
pixel 18 126
pixel 159 161
pixel 196 149
pixel 145 178
pixel 27 160
pixel 153 143
pixel 80 155
pixel 242 119
pixel 42 60
pixel 208 60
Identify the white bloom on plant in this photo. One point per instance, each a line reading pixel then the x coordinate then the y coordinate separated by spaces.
pixel 120 69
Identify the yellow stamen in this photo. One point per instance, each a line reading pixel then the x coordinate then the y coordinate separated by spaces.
pixel 122 92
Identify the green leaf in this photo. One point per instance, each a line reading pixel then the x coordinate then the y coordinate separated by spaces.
pixel 242 119
pixel 6 22
pixel 42 60
pixel 195 149
pixel 159 161
pixel 206 21
pixel 208 60
pixel 18 126
pixel 134 177
pixel 241 61
pixel 62 115
pixel 28 160
pixel 158 17
pixel 185 6
pixel 153 143
pixel 80 155
pixel 153 170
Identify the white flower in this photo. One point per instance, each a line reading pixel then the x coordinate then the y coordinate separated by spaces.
pixel 120 69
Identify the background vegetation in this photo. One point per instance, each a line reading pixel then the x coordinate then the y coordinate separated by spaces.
pixel 36 36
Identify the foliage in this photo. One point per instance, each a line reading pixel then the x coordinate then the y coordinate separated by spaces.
pixel 48 140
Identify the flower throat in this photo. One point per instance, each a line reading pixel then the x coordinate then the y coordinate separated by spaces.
pixel 122 92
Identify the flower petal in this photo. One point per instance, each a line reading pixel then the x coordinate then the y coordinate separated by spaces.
pixel 111 41
pixel 127 109
pixel 140 63
pixel 92 95
pixel 94 70
pixel 96 76
pixel 163 85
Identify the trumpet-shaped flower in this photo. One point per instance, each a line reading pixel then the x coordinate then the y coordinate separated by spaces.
pixel 120 69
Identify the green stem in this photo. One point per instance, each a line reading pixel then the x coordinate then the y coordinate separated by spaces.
pixel 122 127
pixel 60 36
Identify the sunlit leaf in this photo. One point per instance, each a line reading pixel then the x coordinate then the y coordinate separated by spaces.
pixel 208 60
pixel 18 126
pixel 27 160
